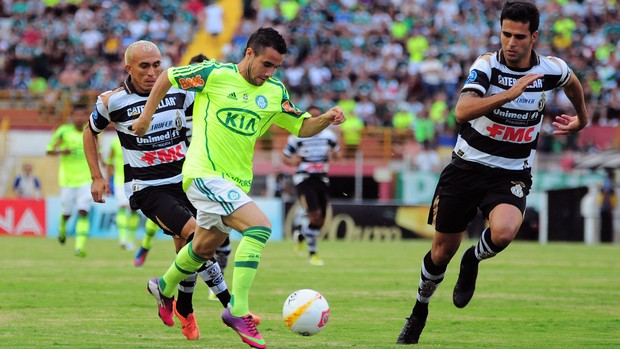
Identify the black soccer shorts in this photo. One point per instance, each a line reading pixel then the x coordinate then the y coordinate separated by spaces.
pixel 167 204
pixel 460 192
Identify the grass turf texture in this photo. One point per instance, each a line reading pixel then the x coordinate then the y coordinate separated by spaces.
pixel 530 296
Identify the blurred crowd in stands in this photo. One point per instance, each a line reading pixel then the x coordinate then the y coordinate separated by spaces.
pixel 394 63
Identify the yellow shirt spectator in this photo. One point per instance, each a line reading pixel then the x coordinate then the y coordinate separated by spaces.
pixel 417 47
pixel 352 130
pixel 289 9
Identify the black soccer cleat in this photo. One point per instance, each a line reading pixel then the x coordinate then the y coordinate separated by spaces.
pixel 466 283
pixel 410 333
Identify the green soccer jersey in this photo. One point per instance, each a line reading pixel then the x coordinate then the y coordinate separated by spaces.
pixel 230 114
pixel 73 169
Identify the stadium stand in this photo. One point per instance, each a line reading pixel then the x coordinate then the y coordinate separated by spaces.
pixel 373 57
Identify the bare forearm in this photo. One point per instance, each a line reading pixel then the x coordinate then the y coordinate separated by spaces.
pixel 470 106
pixel 91 146
pixel 312 126
pixel 574 92
pixel 161 87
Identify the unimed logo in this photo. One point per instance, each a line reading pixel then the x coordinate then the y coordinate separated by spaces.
pixel 22 217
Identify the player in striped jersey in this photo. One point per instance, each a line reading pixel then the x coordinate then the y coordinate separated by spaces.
pixel 311 157
pixel 152 165
pixel 500 112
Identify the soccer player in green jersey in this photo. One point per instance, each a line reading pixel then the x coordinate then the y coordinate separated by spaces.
pixel 235 104
pixel 73 177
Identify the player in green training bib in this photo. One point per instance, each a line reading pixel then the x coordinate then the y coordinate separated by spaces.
pixel 73 177
pixel 235 104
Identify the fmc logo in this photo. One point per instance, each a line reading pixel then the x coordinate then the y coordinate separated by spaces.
pixel 242 121
pixel 512 134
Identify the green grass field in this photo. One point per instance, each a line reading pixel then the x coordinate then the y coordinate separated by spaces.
pixel 530 296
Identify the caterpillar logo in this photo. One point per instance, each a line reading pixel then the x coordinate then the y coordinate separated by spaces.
pixel 242 121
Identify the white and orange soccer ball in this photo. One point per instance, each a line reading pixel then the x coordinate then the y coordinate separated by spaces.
pixel 305 312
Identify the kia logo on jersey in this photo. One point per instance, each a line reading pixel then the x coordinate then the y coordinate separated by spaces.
pixel 241 121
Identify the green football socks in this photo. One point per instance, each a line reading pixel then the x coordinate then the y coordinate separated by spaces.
pixel 133 221
pixel 121 225
pixel 185 264
pixel 150 229
pixel 62 228
pixel 81 232
pixel 247 258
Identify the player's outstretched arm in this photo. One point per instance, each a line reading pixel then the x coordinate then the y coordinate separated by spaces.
pixel 567 124
pixel 161 87
pixel 312 126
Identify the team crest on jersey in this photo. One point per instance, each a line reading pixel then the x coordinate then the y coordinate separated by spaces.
pixel 245 96
pixel 471 77
pixel 261 102
pixel 233 195
pixel 542 101
pixel 178 121
pixel 517 189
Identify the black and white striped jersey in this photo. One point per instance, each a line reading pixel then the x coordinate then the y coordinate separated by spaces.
pixel 314 151
pixel 507 137
pixel 157 157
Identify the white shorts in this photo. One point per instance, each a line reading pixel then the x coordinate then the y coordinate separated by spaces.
pixel 72 198
pixel 214 198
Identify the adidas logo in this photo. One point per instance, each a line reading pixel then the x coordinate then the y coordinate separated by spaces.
pixel 232 95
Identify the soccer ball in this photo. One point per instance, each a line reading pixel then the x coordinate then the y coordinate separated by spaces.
pixel 305 312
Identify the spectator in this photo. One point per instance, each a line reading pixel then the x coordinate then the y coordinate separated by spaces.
pixel 357 38
pixel 352 131
pixel 427 159
pixel 424 127
pixel 432 71
pixel 214 19
pixel 27 185
pixel 366 109
pixel 158 28
pixel 451 79
pixel 403 118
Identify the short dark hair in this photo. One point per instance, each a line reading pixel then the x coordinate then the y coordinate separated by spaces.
pixel 266 37
pixel 521 11
pixel 198 58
